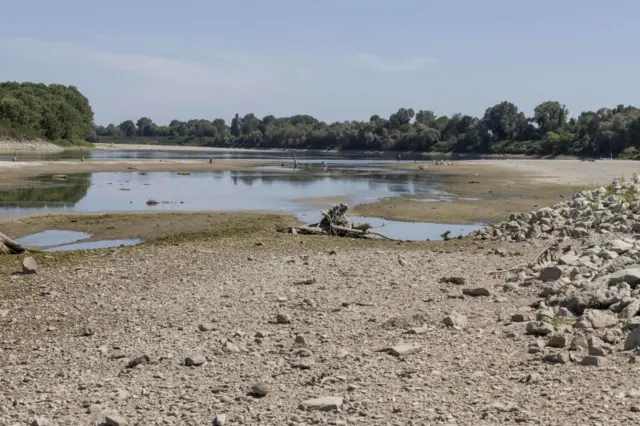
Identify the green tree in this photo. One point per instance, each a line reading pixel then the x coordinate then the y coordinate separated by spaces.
pixel 550 116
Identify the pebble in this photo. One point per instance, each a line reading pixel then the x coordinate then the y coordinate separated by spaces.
pixel 476 292
pixel 455 320
pixel 115 419
pixel 220 420
pixel 283 319
pixel 29 265
pixel 261 389
pixel 404 349
pixel 594 361
pixel 194 361
pixel 207 326
pixel 325 403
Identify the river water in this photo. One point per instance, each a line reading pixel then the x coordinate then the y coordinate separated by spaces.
pixel 353 178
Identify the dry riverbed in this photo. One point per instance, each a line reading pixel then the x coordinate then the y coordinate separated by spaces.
pixel 235 321
pixel 111 334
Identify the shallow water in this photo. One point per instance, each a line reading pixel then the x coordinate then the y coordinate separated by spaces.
pixel 400 230
pixel 52 237
pixel 206 191
pixel 307 156
pixel 362 180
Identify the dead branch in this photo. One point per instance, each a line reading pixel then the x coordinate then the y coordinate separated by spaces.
pixel 335 222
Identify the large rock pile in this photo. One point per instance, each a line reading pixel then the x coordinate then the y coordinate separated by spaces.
pixel 604 210
pixel 589 279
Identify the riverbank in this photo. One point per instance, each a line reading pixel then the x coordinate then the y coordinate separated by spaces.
pixel 30 146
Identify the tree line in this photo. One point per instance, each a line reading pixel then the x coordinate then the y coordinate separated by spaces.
pixel 39 111
pixel 502 129
pixel 61 113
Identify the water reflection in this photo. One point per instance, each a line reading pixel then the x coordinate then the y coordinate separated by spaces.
pixel 49 192
pixel 206 191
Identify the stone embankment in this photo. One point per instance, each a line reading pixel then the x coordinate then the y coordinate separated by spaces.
pixel 11 145
pixel 588 276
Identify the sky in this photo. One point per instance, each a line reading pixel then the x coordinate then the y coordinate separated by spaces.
pixel 334 59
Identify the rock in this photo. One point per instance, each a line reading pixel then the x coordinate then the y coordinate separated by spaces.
pixel 342 354
pixel 620 246
pixel 539 328
pixel 578 343
pixel 597 350
pixel 29 265
pixel 557 358
pixel 283 319
pixel 220 420
pixel 261 389
pixel 404 349
pixel 455 320
pixel 631 310
pixel 419 330
pixel 207 326
pixel 453 280
pixel 594 361
pixel 325 403
pixel 630 276
pixel 557 340
pixel 568 259
pixel 87 332
pixel 550 273
pixel 303 364
pixel 599 319
pixel 476 292
pixel 40 421
pixel 115 419
pixel 231 348
pixel 300 340
pixel 633 340
pixel 532 378
pixel 144 359
pixel 305 353
pixel 536 347
pixel 634 359
pixel 522 317
pixel 195 361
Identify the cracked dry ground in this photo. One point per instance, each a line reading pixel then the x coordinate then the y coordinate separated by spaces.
pixel 69 332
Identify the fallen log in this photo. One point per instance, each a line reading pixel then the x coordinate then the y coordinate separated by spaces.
pixel 9 246
pixel 335 223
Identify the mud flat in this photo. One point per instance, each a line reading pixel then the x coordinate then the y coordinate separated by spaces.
pixel 491 190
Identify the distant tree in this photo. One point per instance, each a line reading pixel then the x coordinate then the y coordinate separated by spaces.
pixel 128 128
pixel 145 126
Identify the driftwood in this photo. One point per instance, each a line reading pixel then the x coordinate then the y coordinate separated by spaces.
pixel 335 223
pixel 9 246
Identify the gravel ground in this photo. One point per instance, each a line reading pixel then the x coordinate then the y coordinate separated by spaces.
pixel 69 332
pixel 7 145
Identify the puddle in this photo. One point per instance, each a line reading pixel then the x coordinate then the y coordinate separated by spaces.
pixel 52 237
pixel 94 245
pixel 407 231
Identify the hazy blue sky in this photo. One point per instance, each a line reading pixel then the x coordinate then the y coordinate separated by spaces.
pixel 334 59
